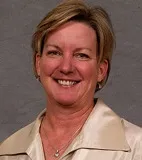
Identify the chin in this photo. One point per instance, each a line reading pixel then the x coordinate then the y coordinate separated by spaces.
pixel 66 101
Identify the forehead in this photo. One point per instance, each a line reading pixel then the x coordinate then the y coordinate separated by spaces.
pixel 73 33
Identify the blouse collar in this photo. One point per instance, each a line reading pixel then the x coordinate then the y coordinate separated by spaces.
pixel 102 130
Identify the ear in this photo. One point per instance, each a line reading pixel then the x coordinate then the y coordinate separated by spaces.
pixel 37 65
pixel 102 70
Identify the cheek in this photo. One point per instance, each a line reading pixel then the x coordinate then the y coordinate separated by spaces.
pixel 47 67
pixel 89 71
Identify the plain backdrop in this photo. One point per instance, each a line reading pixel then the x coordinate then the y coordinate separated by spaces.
pixel 22 97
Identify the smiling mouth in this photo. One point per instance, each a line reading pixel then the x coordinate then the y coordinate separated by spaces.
pixel 67 83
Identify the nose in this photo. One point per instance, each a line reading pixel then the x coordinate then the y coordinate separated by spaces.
pixel 66 65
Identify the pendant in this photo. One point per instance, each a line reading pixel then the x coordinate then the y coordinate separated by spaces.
pixel 57 154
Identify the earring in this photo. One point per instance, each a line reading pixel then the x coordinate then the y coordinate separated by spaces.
pixel 98 87
pixel 38 78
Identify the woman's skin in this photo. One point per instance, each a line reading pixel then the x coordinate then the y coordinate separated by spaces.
pixel 69 71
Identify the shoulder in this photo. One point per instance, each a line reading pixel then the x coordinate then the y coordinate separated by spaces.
pixel 21 140
pixel 21 132
pixel 131 130
pixel 17 142
pixel 133 135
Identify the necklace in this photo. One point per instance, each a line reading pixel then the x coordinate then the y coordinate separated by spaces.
pixel 57 151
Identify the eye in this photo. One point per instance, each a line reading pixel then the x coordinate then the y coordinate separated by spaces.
pixel 53 53
pixel 82 56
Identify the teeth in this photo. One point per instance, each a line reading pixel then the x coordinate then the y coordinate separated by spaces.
pixel 66 83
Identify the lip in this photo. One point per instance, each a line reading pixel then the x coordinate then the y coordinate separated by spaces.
pixel 56 79
pixel 65 78
pixel 68 83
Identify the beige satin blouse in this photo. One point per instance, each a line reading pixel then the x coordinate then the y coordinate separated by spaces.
pixel 105 136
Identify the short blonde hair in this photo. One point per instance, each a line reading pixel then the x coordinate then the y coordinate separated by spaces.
pixel 77 10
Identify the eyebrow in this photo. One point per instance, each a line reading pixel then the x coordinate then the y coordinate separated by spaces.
pixel 52 45
pixel 76 50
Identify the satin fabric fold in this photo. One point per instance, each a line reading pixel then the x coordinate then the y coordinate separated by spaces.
pixel 104 136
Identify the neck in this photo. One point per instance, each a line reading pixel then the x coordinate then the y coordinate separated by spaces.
pixel 60 119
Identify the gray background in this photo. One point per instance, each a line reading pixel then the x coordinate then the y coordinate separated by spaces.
pixel 21 96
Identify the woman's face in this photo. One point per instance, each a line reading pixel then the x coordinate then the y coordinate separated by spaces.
pixel 68 67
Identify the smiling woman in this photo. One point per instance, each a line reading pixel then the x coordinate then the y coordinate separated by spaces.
pixel 72 49
pixel 68 67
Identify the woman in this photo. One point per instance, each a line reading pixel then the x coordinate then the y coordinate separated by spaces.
pixel 72 49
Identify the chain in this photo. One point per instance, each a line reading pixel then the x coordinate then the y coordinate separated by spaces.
pixel 57 151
